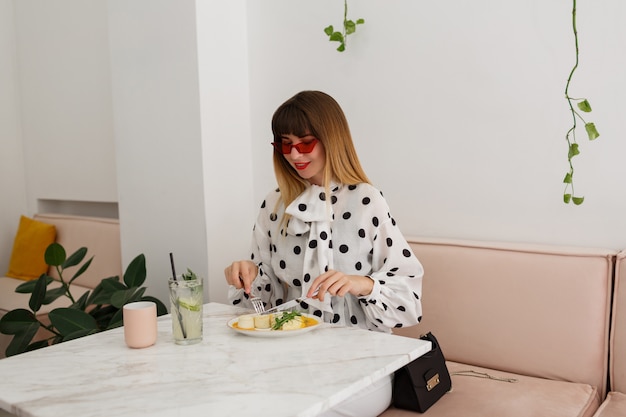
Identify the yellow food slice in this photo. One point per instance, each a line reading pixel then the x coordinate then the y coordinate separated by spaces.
pixel 246 322
pixel 293 324
pixel 262 321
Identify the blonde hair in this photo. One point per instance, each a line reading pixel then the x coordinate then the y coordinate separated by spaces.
pixel 318 114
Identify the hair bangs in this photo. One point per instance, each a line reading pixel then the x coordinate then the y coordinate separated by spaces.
pixel 289 119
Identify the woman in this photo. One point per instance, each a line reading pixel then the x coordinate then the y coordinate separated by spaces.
pixel 327 234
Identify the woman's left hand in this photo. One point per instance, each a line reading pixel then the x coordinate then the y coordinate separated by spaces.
pixel 338 283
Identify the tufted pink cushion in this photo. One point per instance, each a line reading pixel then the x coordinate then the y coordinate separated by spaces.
pixel 529 396
pixel 617 368
pixel 615 403
pixel 534 310
pixel 613 406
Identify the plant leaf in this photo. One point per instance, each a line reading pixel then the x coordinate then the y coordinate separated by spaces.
pixel 117 320
pixel 81 270
pixel 329 30
pixel 37 345
pixel 69 320
pixel 55 255
pixel 95 294
pixel 342 47
pixel 119 298
pixel 568 178
pixel 75 258
pixel 573 150
pixel 81 303
pixel 578 200
pixel 39 294
pixel 20 342
pixel 103 315
pixel 584 106
pixel 336 36
pixel 112 284
pixel 135 274
pixel 591 131
pixel 350 26
pixel 53 294
pixel 360 21
pixel 567 198
pixel 104 291
pixel 17 321
pixel 29 286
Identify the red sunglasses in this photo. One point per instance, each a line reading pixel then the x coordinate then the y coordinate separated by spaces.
pixel 302 147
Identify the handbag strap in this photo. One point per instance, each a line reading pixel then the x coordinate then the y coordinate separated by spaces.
pixel 485 375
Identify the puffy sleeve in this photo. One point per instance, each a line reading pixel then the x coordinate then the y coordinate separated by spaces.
pixel 266 285
pixel 395 300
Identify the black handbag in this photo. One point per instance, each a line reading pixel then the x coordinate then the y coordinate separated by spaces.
pixel 419 384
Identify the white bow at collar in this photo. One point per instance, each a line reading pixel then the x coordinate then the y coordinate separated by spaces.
pixel 312 212
pixel 313 205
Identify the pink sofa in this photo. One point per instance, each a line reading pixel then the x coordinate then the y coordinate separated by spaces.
pixel 533 313
pixel 100 236
pixel 615 403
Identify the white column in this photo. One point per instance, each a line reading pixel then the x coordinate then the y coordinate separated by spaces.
pixel 156 106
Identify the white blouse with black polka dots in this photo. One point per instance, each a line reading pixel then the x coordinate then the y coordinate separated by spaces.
pixel 352 232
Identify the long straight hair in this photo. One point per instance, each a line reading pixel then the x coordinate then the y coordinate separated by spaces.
pixel 318 114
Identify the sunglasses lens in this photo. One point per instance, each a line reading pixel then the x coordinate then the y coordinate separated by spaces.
pixel 305 147
pixel 302 147
pixel 285 148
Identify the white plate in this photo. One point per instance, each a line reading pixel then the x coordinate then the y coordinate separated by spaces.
pixel 275 333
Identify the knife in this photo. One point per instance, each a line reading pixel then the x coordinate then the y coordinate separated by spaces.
pixel 289 304
pixel 284 306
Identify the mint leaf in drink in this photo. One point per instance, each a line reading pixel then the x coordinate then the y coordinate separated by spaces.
pixel 189 275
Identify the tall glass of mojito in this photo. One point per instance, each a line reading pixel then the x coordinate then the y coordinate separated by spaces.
pixel 186 307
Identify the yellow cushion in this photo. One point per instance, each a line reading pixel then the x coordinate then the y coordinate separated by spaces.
pixel 32 240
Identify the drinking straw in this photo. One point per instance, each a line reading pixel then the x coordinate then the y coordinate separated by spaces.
pixel 172 263
pixel 179 315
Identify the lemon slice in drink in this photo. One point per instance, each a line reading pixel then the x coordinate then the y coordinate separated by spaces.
pixel 189 304
pixel 190 318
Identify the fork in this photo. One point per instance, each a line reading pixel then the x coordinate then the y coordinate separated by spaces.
pixel 257 303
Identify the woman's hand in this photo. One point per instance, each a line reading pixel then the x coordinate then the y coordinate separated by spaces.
pixel 338 283
pixel 240 274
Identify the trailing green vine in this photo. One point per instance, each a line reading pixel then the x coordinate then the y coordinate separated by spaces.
pixel 584 106
pixel 349 27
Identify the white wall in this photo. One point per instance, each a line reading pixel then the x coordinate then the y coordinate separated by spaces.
pixel 12 178
pixel 65 96
pixel 458 109
pixel 225 115
pixel 156 106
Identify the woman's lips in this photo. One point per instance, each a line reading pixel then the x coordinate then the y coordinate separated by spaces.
pixel 301 165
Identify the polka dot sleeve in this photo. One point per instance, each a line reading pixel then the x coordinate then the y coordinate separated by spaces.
pixel 397 274
pixel 266 285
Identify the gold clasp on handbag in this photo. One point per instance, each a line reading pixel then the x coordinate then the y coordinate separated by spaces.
pixel 432 382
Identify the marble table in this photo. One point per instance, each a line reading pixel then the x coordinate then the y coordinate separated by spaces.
pixel 227 374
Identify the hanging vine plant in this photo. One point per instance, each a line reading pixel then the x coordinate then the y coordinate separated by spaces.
pixel 349 27
pixel 583 105
pixel 576 105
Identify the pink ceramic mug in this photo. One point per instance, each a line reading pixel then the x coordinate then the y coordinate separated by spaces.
pixel 140 324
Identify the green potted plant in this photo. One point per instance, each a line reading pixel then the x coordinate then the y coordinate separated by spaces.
pixel 95 311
